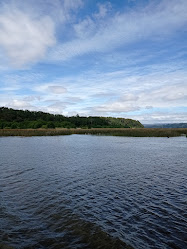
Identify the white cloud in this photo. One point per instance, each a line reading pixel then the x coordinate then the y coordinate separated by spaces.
pixel 23 38
pixel 72 4
pixel 147 93
pixel 118 93
pixel 29 28
pixel 154 21
pixel 57 107
pixel 116 107
pixel 32 98
pixel 160 117
pixel 51 88
pixel 85 28
pixel 118 83
pixel 19 104
pixel 22 78
pixel 60 11
pixel 57 89
pixel 104 9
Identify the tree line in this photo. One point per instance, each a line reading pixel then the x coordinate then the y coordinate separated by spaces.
pixel 24 119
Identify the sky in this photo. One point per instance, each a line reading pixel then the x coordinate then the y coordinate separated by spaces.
pixel 118 58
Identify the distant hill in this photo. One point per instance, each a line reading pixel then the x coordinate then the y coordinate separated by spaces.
pixel 24 119
pixel 174 125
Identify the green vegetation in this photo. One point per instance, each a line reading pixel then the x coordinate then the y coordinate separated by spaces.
pixel 19 119
pixel 27 123
pixel 139 132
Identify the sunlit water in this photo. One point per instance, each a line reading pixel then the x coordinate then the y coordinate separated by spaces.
pixel 84 191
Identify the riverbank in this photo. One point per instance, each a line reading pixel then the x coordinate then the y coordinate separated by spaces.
pixel 138 132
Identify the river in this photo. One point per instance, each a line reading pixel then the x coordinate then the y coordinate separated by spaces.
pixel 84 191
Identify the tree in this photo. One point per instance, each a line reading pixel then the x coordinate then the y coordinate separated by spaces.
pixel 51 125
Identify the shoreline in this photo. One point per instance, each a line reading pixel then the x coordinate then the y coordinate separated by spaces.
pixel 128 132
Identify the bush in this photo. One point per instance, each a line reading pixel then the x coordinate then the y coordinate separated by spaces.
pixel 50 125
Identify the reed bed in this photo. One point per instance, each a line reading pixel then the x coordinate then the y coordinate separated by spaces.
pixel 138 132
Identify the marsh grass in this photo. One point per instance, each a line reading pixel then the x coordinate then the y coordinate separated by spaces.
pixel 138 132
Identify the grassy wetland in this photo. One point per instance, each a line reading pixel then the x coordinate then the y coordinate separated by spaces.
pixel 29 123
pixel 128 132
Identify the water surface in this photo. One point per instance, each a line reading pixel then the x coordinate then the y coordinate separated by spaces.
pixel 83 191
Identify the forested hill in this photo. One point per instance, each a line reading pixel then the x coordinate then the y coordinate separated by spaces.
pixel 15 119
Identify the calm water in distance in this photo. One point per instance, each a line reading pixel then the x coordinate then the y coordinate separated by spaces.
pixel 84 191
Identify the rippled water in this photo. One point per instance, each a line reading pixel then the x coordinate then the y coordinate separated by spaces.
pixel 93 192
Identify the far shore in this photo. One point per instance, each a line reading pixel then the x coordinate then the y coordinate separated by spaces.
pixel 128 132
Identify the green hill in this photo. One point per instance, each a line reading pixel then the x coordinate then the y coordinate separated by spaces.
pixel 24 119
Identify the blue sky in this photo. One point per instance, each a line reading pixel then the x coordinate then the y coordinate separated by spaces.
pixel 101 58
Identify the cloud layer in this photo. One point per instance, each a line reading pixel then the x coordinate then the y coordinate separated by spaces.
pixel 75 56
pixel 103 33
pixel 24 39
